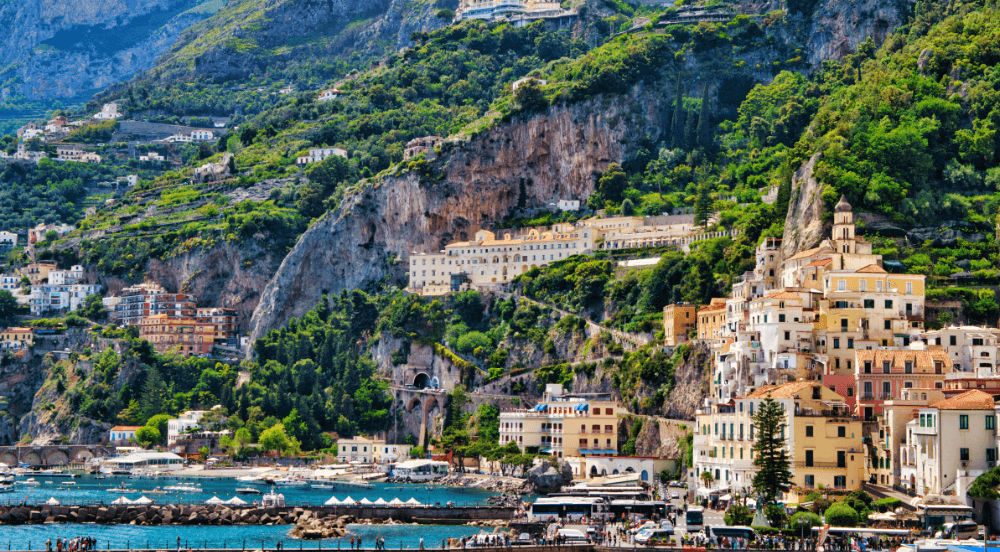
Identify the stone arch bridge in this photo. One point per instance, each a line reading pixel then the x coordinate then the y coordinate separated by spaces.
pixel 51 455
pixel 417 408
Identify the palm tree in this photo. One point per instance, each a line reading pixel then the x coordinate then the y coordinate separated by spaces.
pixel 706 478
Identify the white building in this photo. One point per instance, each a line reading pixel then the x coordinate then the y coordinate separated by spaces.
pixel 972 349
pixel 146 459
pixel 420 470
pixel 951 443
pixel 568 205
pixel 45 298
pixel 8 240
pixel 316 155
pixel 122 434
pixel 152 157
pixel 183 423
pixel 202 135
pixel 329 95
pixel 66 277
pixel 108 111
pixel 10 283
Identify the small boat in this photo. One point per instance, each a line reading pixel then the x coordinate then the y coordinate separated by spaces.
pixel 69 484
pixel 248 479
pixel 182 488
pixel 6 488
pixel 322 485
pixel 272 500
pixel 248 490
pixel 30 482
pixel 120 488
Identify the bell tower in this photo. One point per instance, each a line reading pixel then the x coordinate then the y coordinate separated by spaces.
pixel 843 227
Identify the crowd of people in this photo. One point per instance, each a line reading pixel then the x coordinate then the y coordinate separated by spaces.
pixel 76 544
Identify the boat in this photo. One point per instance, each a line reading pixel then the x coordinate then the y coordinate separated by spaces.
pixel 120 488
pixel 248 479
pixel 30 482
pixel 358 484
pixel 322 485
pixel 272 500
pixel 248 490
pixel 6 488
pixel 182 488
pixel 289 482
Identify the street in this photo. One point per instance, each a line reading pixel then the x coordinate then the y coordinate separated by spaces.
pixel 712 517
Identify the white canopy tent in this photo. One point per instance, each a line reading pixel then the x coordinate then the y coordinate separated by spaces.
pixel 121 500
pixel 143 500
pixel 396 502
pixel 413 502
pixel 349 500
pixel 52 501
pixel 366 502
pixel 380 501
pixel 235 501
pixel 215 500
pixel 332 501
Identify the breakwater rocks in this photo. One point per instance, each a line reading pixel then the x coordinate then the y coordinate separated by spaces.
pixel 310 526
pixel 198 514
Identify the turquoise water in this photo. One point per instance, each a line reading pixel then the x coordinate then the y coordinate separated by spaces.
pixel 121 536
pixel 90 490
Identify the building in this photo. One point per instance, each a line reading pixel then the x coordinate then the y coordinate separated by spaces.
pixel 11 283
pixel 38 272
pixel 223 322
pixel 202 135
pixel 564 425
pixel 151 157
pixel 38 233
pixel 316 155
pixel 646 468
pixel 8 240
pixel 419 470
pixel 16 339
pixel 712 319
pixel 952 442
pixel 183 424
pixel 122 435
pixel 184 336
pixel 358 449
pixel 66 277
pixel 823 439
pixel 145 460
pixel 328 95
pixel 148 299
pixel 888 458
pixel 679 319
pixel 882 375
pixel 109 111
pixel 568 204
pixel 973 350
pixel 51 298
pixel 520 12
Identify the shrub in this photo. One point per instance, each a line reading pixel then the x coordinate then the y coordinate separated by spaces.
pixel 886 504
pixel 804 521
pixel 841 515
pixel 738 514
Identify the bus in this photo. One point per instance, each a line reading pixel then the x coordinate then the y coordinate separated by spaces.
pixel 645 509
pixel 569 508
pixel 695 519
pixel 732 531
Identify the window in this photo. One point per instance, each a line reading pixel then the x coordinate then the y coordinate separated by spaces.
pixel 843 324
pixel 869 303
pixel 840 481
pixel 963 454
pixel 888 303
pixel 887 325
pixel 841 431
pixel 810 481
pixel 781 318
pixel 963 421
pixel 836 343
pixel 809 458
pixel 809 431
pixel 953 340
pixel 850 342
pixel 841 459
pixel 788 336
pixel 909 288
pixel 886 366
pixel 991 455
pixel 991 421
pixel 841 285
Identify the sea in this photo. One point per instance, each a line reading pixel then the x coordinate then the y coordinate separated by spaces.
pixel 92 490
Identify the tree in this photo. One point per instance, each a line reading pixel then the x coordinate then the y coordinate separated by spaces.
pixel 738 514
pixel 707 478
pixel 773 475
pixel 92 308
pixel 530 97
pixel 274 438
pixel 841 515
pixel 802 522
pixel 8 305
pixel 702 205
pixel 146 436
pixel 612 183
pixel 417 452
pixel 159 422
pixel 204 452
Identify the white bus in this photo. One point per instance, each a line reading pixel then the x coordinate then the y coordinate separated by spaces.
pixel 569 508
pixel 694 519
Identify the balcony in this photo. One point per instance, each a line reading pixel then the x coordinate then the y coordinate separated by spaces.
pixel 821 465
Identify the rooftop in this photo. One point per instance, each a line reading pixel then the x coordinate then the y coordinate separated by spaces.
pixel 974 399
pixel 783 391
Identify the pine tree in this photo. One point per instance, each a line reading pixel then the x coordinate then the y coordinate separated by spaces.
pixel 773 475
pixel 702 205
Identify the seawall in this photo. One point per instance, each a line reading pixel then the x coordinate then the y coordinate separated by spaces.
pixel 200 514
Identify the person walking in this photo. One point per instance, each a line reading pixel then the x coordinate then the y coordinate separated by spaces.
pixel 421 543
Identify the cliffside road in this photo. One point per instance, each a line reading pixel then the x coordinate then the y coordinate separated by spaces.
pixel 630 341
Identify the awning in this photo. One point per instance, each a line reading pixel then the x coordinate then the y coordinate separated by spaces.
pixel 598 451
pixel 541 407
pixel 583 407
pixel 726 497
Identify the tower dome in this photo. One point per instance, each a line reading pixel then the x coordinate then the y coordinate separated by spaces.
pixel 842 206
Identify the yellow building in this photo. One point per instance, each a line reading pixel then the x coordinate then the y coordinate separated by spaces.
pixel 823 439
pixel 678 321
pixel 16 338
pixel 712 319
pixel 564 425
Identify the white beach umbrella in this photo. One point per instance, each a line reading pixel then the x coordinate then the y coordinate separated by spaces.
pixel 349 500
pixel 236 501
pixel 413 502
pixel 333 501
pixel 143 500
pixel 121 500
pixel 215 500
pixel 52 501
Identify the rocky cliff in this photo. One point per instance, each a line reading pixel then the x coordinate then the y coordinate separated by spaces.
pixel 804 226
pixel 528 162
pixel 831 29
pixel 65 48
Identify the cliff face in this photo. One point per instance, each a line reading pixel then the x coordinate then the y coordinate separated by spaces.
pixel 528 162
pixel 835 28
pixel 65 48
pixel 804 223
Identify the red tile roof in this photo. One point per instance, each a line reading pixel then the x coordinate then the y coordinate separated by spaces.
pixel 973 399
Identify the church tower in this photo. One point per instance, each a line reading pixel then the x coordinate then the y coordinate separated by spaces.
pixel 843 227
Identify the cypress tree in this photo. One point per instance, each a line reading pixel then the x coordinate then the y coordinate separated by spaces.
pixel 773 475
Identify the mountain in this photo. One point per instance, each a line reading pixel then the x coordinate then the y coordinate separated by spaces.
pixel 62 52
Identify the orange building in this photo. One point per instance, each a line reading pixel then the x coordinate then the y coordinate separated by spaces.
pixel 678 320
pixel 223 322
pixel 882 375
pixel 184 336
